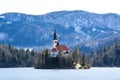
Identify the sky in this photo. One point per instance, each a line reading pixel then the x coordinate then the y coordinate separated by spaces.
pixel 38 7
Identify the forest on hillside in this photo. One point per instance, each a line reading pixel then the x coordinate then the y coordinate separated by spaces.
pixel 10 56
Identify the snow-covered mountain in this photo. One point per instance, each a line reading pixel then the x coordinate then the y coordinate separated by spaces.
pixel 74 28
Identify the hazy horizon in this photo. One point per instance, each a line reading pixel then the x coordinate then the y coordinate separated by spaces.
pixel 40 7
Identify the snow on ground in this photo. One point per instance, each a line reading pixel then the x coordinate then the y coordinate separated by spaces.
pixel 59 74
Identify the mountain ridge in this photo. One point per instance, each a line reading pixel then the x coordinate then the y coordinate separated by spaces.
pixel 74 29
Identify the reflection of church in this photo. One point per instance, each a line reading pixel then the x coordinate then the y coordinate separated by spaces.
pixel 57 47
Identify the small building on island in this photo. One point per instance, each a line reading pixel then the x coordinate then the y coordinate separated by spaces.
pixel 57 47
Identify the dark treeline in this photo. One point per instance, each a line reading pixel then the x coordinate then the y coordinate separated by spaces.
pixel 105 57
pixel 12 57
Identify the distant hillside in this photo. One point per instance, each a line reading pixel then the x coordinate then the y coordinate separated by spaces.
pixel 108 56
pixel 74 28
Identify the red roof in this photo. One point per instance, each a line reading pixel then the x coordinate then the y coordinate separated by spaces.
pixel 63 47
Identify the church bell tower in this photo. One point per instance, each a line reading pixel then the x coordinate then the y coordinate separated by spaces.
pixel 55 41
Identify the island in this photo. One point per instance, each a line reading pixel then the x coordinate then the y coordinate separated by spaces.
pixel 60 57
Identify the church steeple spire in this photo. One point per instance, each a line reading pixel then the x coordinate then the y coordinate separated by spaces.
pixel 55 36
pixel 55 41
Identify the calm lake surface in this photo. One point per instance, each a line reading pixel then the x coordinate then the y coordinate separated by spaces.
pixel 59 74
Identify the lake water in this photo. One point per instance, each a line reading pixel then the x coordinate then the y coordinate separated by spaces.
pixel 59 74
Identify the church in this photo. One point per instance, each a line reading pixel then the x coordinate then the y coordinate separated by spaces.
pixel 57 47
